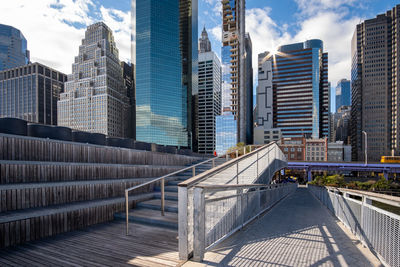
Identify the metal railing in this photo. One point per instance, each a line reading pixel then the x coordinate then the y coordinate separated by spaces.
pixel 217 216
pixel 162 179
pixel 257 167
pixel 377 228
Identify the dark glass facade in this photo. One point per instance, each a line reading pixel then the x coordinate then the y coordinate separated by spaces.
pixel 343 94
pixel 301 90
pixel 166 71
pixel 31 93
pixel 13 48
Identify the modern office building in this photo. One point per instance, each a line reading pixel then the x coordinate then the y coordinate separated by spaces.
pixel 13 48
pixel 31 92
pixel 95 98
pixel 165 53
pixel 236 59
pixel 226 133
pixel 209 105
pixel 264 131
pixel 339 152
pixel 343 94
pixel 375 81
pixel 300 89
pixel 128 71
pixel 342 125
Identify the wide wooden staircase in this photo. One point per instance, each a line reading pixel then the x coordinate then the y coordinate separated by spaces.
pixel 49 187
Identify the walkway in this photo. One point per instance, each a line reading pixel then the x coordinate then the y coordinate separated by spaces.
pixel 101 245
pixel 299 231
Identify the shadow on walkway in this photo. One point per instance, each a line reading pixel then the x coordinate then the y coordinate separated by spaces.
pixel 299 231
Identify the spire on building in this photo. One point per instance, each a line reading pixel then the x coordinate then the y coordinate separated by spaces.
pixel 204 42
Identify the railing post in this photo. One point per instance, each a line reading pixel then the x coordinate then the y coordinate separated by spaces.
pixel 194 171
pixel 237 153
pixel 257 166
pixel 127 211
pixel 244 150
pixel 183 223
pixel 199 225
pixel 162 196
pixel 213 163
pixel 237 172
pixel 226 156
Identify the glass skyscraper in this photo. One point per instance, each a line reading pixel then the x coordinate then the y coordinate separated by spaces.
pixel 226 133
pixel 164 50
pixel 13 48
pixel 300 89
pixel 96 98
pixel 343 94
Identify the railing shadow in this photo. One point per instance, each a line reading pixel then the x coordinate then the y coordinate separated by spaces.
pixel 298 231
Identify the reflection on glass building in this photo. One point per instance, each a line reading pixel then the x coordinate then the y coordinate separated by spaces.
pixel 95 98
pixel 13 48
pixel 31 93
pixel 301 90
pixel 343 94
pixel 226 133
pixel 164 50
pixel 237 74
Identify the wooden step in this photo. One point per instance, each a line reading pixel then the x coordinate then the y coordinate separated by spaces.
pixel 34 195
pixel 21 226
pixel 155 204
pixel 151 217
pixel 35 171
pixel 168 195
pixel 168 188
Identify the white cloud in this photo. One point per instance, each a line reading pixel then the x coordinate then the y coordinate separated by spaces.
pixel 331 27
pixel 54 29
pixel 216 32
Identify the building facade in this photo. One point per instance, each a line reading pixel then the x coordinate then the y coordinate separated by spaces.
pixel 293 148
pixel 375 86
pixel 339 152
pixel 226 133
pixel 300 89
pixel 95 98
pixel 342 126
pixel 128 74
pixel 31 92
pixel 204 42
pixel 236 75
pixel 343 94
pixel 165 53
pixel 209 101
pixel 317 149
pixel 13 48
pixel 264 131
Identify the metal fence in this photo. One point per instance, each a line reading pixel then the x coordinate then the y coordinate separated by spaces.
pixel 377 228
pixel 256 167
pixel 219 211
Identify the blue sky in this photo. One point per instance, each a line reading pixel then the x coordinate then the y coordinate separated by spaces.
pixel 54 28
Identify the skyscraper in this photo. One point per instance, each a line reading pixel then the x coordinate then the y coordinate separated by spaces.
pixel 236 55
pixel 165 52
pixel 204 42
pixel 375 88
pixel 209 97
pixel 31 92
pixel 300 89
pixel 95 98
pixel 128 71
pixel 343 94
pixel 13 48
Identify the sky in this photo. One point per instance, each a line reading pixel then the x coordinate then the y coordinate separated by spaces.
pixel 54 28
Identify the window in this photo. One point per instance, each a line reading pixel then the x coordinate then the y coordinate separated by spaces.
pixel 286 149
pixel 299 149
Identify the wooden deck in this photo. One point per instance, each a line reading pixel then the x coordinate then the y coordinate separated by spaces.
pixel 100 245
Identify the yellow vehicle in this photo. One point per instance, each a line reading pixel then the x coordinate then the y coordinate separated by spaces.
pixel 390 159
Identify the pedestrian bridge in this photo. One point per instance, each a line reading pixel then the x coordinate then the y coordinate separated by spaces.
pixel 228 214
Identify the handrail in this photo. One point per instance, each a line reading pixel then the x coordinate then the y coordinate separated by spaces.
pixel 195 179
pixel 162 179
